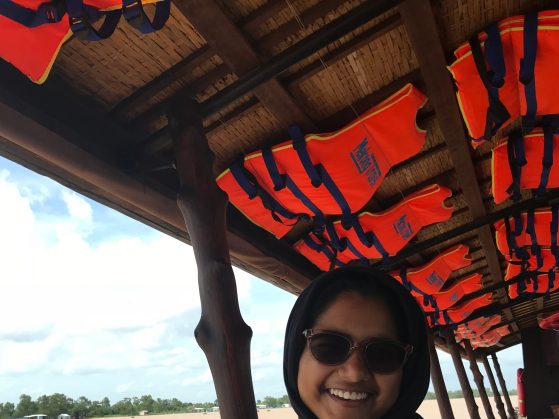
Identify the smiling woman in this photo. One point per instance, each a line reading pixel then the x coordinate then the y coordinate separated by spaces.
pixel 356 347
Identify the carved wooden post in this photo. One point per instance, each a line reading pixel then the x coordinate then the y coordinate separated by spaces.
pixel 478 378
pixel 494 389
pixel 462 377
pixel 438 382
pixel 499 373
pixel 221 332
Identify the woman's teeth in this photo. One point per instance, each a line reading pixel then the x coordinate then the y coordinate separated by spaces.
pixel 348 395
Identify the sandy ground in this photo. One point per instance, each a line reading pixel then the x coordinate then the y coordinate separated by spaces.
pixel 429 410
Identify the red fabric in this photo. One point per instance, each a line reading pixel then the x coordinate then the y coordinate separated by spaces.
pixel 357 157
pixel 515 268
pixel 531 172
pixel 476 327
pixel 462 311
pixel 448 298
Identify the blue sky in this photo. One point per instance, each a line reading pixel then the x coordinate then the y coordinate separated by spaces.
pixel 97 304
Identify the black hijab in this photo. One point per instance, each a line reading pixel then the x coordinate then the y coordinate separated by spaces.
pixel 321 292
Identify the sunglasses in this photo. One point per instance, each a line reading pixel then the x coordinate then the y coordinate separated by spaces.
pixel 382 355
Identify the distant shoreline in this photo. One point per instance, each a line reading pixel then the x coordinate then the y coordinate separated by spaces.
pixel 428 409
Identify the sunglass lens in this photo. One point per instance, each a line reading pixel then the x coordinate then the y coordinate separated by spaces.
pixel 329 349
pixel 384 357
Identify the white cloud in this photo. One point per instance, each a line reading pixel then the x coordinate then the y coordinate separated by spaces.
pixel 78 207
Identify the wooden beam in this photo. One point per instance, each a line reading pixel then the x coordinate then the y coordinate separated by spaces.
pixel 221 332
pixel 293 26
pixel 494 388
pixel 437 379
pixel 261 15
pixel 461 372
pixel 198 85
pixel 163 80
pixel 221 34
pixel 510 409
pixel 478 378
pixel 343 51
pixel 421 27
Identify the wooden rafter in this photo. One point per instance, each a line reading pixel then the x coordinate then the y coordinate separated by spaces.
pixel 422 31
pixel 235 50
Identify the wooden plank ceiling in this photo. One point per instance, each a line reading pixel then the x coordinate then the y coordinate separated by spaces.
pixel 103 110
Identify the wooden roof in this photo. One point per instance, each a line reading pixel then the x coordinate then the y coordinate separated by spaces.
pixel 98 124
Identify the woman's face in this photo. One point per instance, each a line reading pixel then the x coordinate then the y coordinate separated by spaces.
pixel 360 318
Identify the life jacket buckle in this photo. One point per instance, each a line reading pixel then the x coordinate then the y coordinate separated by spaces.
pixel 132 11
pixel 53 11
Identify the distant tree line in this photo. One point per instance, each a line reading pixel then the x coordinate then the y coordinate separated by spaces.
pixel 457 394
pixel 82 407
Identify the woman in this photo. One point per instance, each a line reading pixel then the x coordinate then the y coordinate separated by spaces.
pixel 356 347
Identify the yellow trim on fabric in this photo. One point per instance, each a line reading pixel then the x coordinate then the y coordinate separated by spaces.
pixel 46 73
pixel 222 174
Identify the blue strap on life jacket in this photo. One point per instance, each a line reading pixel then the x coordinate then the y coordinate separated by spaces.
pixel 318 174
pixel 253 190
pixel 547 160
pixel 324 249
pixel 514 249
pixel 550 283
pixel 554 229
pixel 277 179
pixel 531 230
pixel 339 244
pixel 48 12
pixel 492 79
pixel 368 238
pixel 527 65
pixel 81 19
pixel 135 15
pixel 300 146
pixel 517 160
pixel 360 256
pixel 281 181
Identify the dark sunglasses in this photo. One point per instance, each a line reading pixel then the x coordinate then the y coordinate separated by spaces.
pixel 382 355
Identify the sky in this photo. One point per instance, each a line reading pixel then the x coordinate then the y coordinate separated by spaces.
pixel 96 304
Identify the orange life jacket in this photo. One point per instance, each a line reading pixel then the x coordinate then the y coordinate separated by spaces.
pixel 516 266
pixel 476 327
pixel 443 300
pixel 373 236
pixel 536 229
pixel 33 31
pixel 430 277
pixel 490 338
pixel 536 284
pixel 500 77
pixel 460 312
pixel 550 321
pixel 325 174
pixel 524 169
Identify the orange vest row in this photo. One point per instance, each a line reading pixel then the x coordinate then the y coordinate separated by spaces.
pixel 507 71
pixel 550 321
pixel 320 175
pixel 525 162
pixel 490 338
pixel 373 236
pixel 460 312
pixel 534 230
pixel 443 300
pixel 33 31
pixel 476 327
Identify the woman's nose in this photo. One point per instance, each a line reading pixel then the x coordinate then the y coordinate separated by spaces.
pixel 355 368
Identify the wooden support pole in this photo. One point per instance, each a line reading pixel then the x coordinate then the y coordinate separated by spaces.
pixel 478 378
pixel 221 332
pixel 461 372
pixel 494 389
pixel 499 373
pixel 438 382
